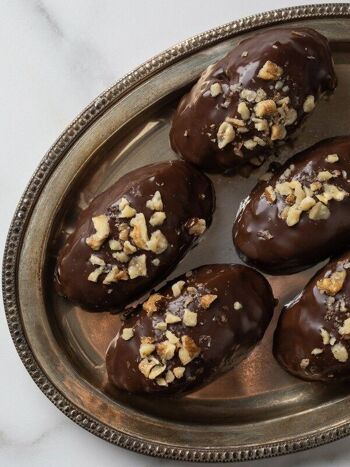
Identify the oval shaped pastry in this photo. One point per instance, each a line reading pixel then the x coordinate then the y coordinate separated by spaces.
pixel 312 336
pixel 191 331
pixel 298 217
pixel 134 234
pixel 254 97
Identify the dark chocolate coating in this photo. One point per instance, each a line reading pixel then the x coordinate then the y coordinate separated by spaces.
pixel 305 57
pixel 298 331
pixel 295 248
pixel 186 193
pixel 224 334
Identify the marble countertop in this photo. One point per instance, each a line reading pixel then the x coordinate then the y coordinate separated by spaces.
pixel 57 55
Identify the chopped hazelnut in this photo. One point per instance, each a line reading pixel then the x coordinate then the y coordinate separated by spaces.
pixel 332 158
pixel 137 266
pixel 121 256
pixel 293 216
pixel 146 365
pixel 278 132
pixel 225 135
pixel 157 243
pixel 206 300
pixel 161 326
pixel 339 352
pixel 127 333
pixel 161 382
pixel 215 89
pixel 139 233
pixel 189 318
pixel 290 117
pixel 333 192
pixel 333 284
pixel 304 363
pixel 315 186
pixel 250 144
pixel 146 349
pixel 157 218
pixel 248 94
pixel 243 110
pixel 101 226
pixel 150 305
pixel 324 176
pixel 316 351
pixel 179 371
pixel 170 318
pixel 156 203
pixel 266 107
pixel 156 371
pixel 261 125
pixel 96 260
pixel 319 212
pixel 196 226
pixel 235 121
pixel 307 203
pixel 114 275
pixel 171 337
pixel 127 212
pixel 284 189
pixel 115 245
pixel 188 351
pixel 270 194
pixel 325 336
pixel 94 275
pixel 344 330
pixel 270 71
pixel 309 104
pixel 169 376
pixel 155 262
pixel 166 350
pixel 237 306
pixel 177 288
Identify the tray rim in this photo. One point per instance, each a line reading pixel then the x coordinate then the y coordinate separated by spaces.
pixel 33 190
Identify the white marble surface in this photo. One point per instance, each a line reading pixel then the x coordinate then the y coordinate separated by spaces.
pixel 57 55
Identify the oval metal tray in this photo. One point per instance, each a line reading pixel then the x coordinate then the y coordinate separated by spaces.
pixel 257 410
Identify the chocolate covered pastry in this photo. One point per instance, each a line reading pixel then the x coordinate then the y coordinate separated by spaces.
pixel 312 336
pixel 191 331
pixel 254 97
pixel 300 216
pixel 132 235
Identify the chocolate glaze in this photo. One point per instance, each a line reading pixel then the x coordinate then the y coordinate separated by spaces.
pixel 299 327
pixel 305 57
pixel 186 194
pixel 292 249
pixel 224 334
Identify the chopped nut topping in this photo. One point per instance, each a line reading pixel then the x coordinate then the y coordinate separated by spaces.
pixel 196 226
pixel 169 376
pixel 225 135
pixel 344 330
pixel 333 284
pixel 123 235
pixel 150 305
pixel 177 288
pixel 171 337
pixel 235 121
pixel 155 262
pixel 157 218
pixel 137 266
pixel 293 215
pixel 139 233
pixel 339 352
pixel 237 306
pixel 179 371
pixel 316 351
pixel 278 132
pixel 127 333
pixel 166 350
pixel 304 363
pixel 332 158
pixel 206 300
pixel 315 186
pixel 115 245
pixel 250 144
pixel 170 318
pixel 146 349
pixel 324 176
pixel 290 117
pixel 147 340
pixel 248 95
pixel 243 110
pixel 156 203
pixel 215 89
pixel 161 326
pixel 157 243
pixel 265 108
pixel 94 275
pixel 129 249
pixel 284 189
pixel 156 371
pixel 188 351
pixel 189 318
pixel 127 212
pixel 96 260
pixel 261 124
pixel 146 365
pixel 319 212
pixel 270 71
pixel 121 256
pixel 309 104
pixel 115 275
pixel 270 194
pixel 101 226
pixel 333 192
pixel 161 382
pixel 307 203
pixel 325 336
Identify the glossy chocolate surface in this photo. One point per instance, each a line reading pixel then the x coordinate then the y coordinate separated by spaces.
pixel 311 340
pixel 306 69
pixel 225 332
pixel 186 196
pixel 263 238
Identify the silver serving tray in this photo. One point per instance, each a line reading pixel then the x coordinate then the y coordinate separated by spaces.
pixel 257 410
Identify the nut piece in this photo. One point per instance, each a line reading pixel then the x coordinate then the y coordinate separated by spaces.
pixel 179 371
pixel 237 306
pixel 157 218
pixel 171 337
pixel 139 232
pixel 156 371
pixel 146 349
pixel 177 288
pixel 96 260
pixel 344 330
pixel 156 203
pixel 270 71
pixel 316 351
pixel 115 275
pixel 309 104
pixel 333 284
pixel 170 318
pixel 196 226
pixel 265 108
pixel 121 256
pixel 290 117
pixel 188 351
pixel 127 333
pixel 325 336
pixel 94 275
pixel 161 326
pixel 304 363
pixel 101 226
pixel 129 249
pixel 127 212
pixel 293 216
pixel 169 376
pixel 339 352
pixel 332 158
pixel 150 305
pixel 307 203
pixel 161 382
pixel 157 243
pixel 278 132
pixel 146 365
pixel 166 350
pixel 324 176
pixel 137 266
pixel 319 212
pixel 270 194
pixel 225 135
pixel 189 318
pixel 243 110
pixel 206 300
pixel 215 89
pixel 115 245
